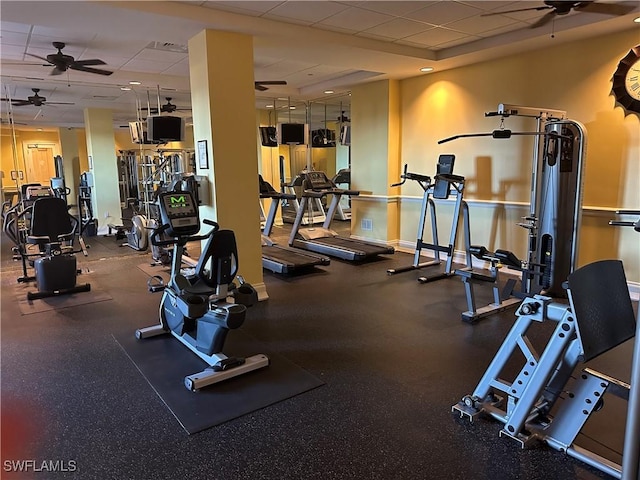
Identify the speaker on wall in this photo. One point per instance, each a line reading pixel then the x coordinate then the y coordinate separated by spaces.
pixel 268 136
pixel 345 135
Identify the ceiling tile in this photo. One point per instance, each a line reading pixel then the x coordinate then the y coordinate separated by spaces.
pixel 146 66
pixel 244 7
pixel 435 36
pixel 356 19
pixel 397 9
pixel 397 28
pixel 14 38
pixel 308 12
pixel 442 13
pixel 14 27
pixel 473 26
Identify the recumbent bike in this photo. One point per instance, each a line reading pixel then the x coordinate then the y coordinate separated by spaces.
pixel 200 309
pixel 47 225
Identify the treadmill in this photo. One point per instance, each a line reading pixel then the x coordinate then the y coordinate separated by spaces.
pixel 322 239
pixel 277 258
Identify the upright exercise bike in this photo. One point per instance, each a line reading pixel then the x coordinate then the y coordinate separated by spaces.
pixel 199 310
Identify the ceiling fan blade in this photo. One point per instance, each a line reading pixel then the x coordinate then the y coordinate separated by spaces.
pixel 81 68
pixel 20 103
pixel 543 20
pixel 489 14
pixel 260 88
pixel 59 103
pixel 605 8
pixel 38 57
pixel 56 71
pixel 271 82
pixel 91 61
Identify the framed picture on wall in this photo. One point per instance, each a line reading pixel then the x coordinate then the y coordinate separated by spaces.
pixel 203 158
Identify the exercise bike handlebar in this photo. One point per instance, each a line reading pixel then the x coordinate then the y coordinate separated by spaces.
pixel 186 238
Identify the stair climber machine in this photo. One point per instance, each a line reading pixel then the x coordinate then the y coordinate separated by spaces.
pixel 199 310
pixel 279 258
pixel 554 218
pixel 443 185
pixel 323 240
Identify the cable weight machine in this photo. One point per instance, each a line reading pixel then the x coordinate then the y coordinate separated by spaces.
pixel 554 217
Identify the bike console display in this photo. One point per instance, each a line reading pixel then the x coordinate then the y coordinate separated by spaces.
pixel 179 211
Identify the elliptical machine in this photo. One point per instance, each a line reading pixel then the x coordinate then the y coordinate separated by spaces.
pixel 199 310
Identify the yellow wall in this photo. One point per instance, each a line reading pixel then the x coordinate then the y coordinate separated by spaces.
pixel 575 77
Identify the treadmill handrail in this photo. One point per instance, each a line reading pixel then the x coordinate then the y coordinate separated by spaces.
pixel 329 191
pixel 278 195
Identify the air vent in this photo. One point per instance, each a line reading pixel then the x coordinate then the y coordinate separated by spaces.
pixel 167 47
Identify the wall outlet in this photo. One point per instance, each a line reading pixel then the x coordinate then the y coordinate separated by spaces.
pixel 366 224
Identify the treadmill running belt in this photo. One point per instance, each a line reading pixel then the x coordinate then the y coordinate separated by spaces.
pixel 286 260
pixel 344 248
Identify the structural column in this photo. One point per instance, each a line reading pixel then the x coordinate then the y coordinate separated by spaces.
pixel 101 150
pixel 375 160
pixel 71 157
pixel 225 136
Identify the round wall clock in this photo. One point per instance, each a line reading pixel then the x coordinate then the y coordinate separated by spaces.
pixel 626 81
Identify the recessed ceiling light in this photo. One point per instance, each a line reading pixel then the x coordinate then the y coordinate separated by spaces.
pixel 134 82
pixel 125 88
pixel 268 106
pixel 426 69
pixel 292 107
pixel 39 129
pixel 328 92
pixel 637 19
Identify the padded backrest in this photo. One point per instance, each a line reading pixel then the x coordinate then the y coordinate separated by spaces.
pixel 50 218
pixel 444 167
pixel 265 187
pixel 221 249
pixel 602 306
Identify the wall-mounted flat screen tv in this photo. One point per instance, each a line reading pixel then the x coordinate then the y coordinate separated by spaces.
pixel 292 133
pixel 162 129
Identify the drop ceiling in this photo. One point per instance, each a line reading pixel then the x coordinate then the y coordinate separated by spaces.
pixel 315 46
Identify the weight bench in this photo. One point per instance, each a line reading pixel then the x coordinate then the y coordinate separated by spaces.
pixel 599 317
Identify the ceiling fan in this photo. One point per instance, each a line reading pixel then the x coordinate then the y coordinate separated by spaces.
pixel 35 99
pixel 343 118
pixel 62 62
pixel 564 7
pixel 260 86
pixel 167 108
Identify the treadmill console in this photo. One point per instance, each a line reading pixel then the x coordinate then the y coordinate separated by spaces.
pixel 179 211
pixel 318 181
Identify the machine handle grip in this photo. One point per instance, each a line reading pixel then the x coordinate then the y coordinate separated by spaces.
pixel 156 241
